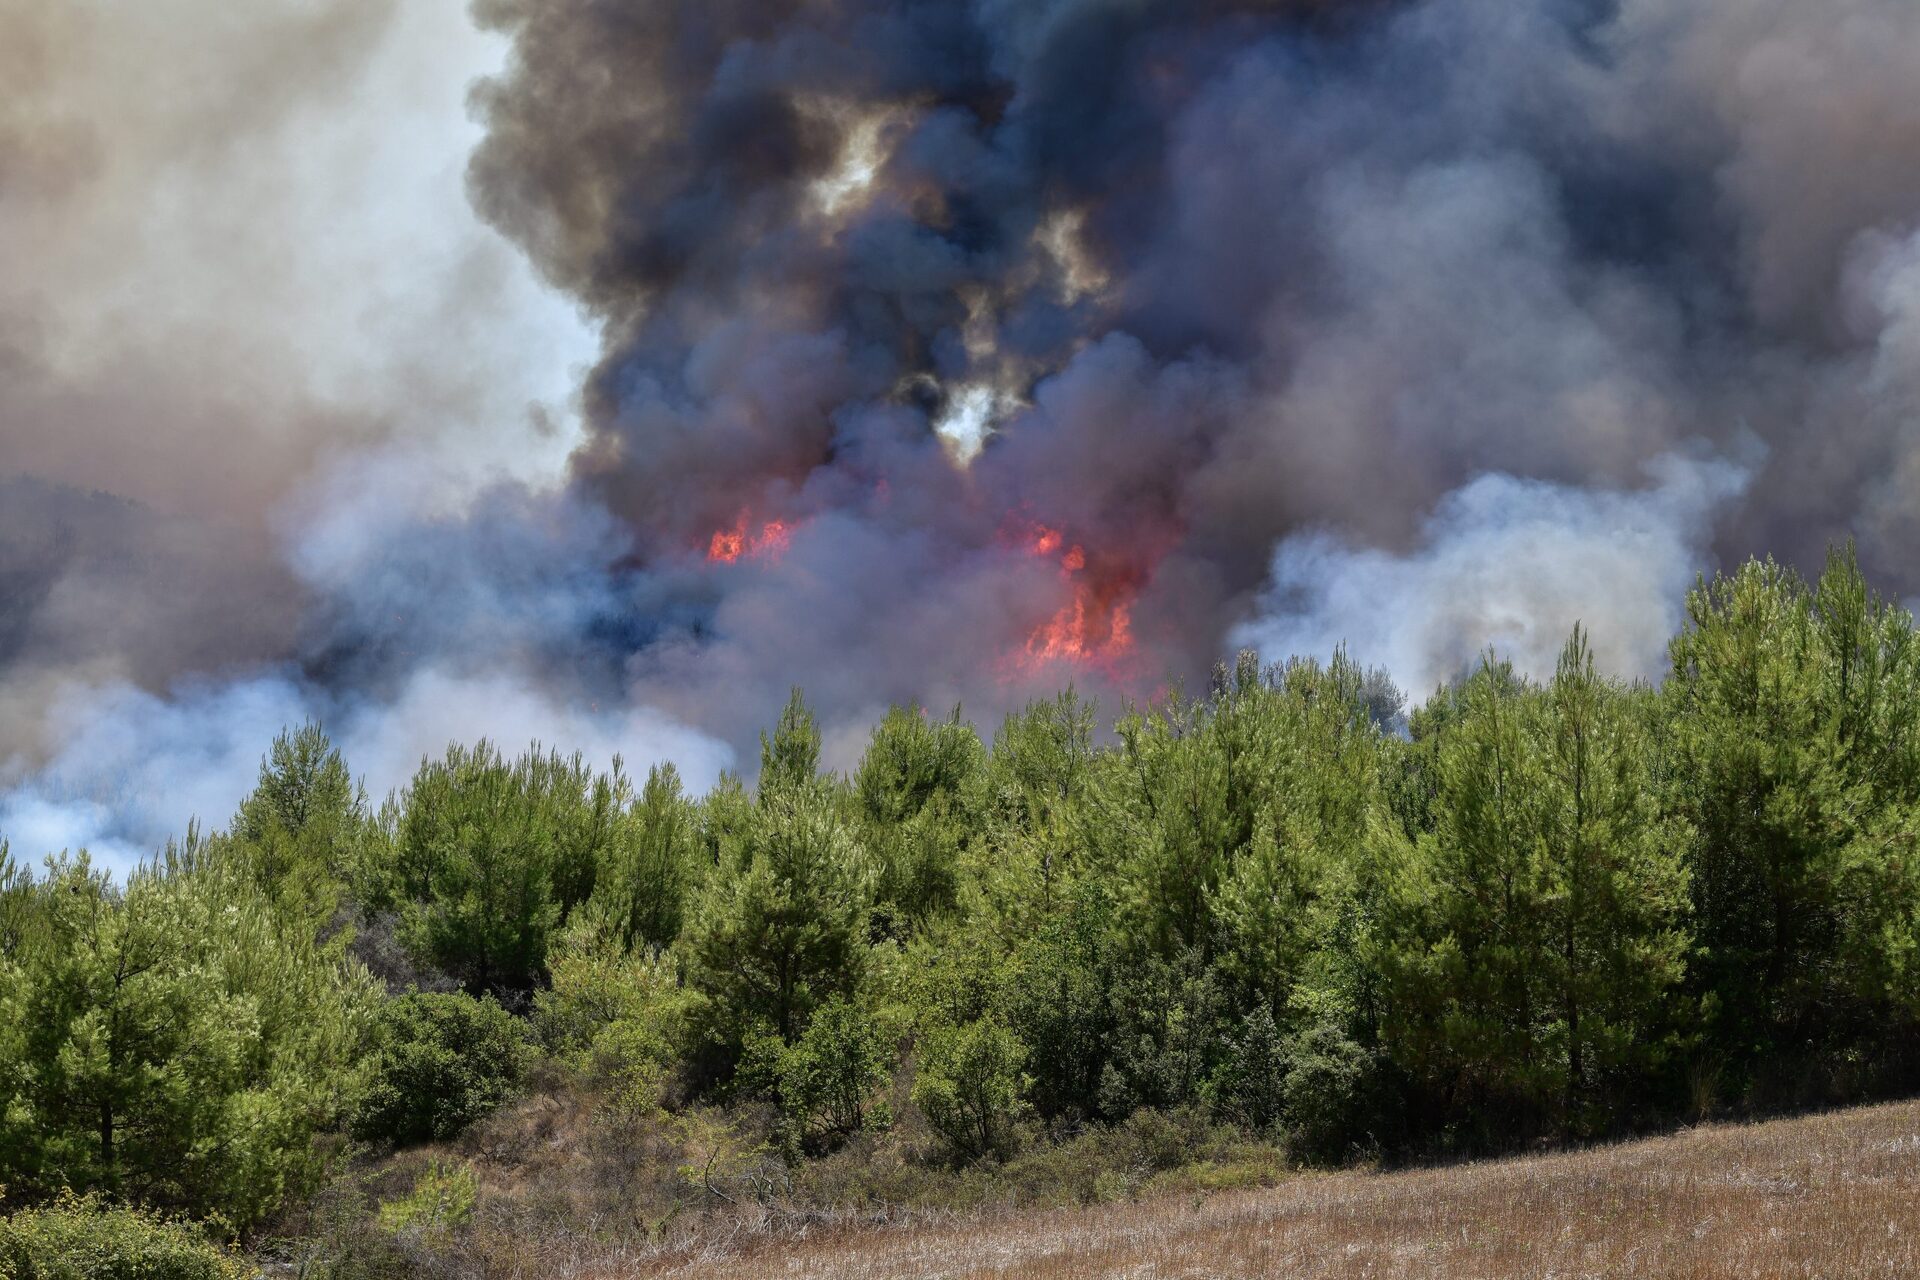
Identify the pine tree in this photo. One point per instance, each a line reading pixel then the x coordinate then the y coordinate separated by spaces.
pixel 175 1042
pixel 784 926
pixel 1795 766
pixel 650 865
pixel 302 830
pixel 1614 885
pixel 1471 1000
pixel 491 855
pixel 790 757
pixel 913 790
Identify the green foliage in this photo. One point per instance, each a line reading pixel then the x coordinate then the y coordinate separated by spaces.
pixel 442 1198
pixel 1545 928
pixel 781 926
pixel 301 833
pixel 1168 1023
pixel 619 1015
pixel 1060 1000
pixel 490 855
pixel 175 1041
pixel 84 1238
pixel 913 789
pixel 1249 1086
pixel 913 762
pixel 439 1062
pixel 1025 855
pixel 969 1083
pixel 1330 1094
pixel 649 865
pixel 1302 762
pixel 22 924
pixel 790 758
pixel 1796 739
pixel 829 1076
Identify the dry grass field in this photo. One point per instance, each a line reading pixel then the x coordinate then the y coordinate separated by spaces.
pixel 1826 1197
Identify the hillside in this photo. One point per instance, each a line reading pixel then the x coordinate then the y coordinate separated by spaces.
pixel 1833 1196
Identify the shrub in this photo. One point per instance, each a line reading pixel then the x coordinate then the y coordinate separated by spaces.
pixel 1329 1092
pixel 439 1063
pixel 1249 1088
pixel 827 1079
pixel 615 1015
pixel 79 1238
pixel 970 1086
pixel 441 1199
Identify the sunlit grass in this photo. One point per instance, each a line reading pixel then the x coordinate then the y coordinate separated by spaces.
pixel 1827 1196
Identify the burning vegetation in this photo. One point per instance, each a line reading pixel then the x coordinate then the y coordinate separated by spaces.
pixel 745 539
pixel 1095 626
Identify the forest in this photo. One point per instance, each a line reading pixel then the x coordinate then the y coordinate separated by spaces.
pixel 1291 908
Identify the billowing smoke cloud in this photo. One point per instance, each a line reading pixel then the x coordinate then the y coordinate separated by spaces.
pixel 246 314
pixel 947 350
pixel 238 244
pixel 1228 270
pixel 1508 564
pixel 236 248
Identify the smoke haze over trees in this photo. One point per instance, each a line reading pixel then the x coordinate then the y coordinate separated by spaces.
pixel 935 352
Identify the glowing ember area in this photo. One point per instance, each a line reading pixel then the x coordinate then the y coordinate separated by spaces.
pixel 1096 625
pixel 769 541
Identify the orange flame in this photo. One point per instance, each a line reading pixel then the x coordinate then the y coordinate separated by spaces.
pixel 1096 625
pixel 769 541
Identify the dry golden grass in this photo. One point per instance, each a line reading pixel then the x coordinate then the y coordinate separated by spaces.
pixel 1828 1197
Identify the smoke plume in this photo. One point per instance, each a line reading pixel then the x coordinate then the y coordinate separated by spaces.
pixel 1508 565
pixel 924 350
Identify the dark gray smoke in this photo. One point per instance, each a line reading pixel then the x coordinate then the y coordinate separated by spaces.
pixel 1222 273
pixel 953 349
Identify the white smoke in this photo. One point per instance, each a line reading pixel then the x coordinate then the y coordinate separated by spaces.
pixel 136 767
pixel 1505 562
pixel 257 292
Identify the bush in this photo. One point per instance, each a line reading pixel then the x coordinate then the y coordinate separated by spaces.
pixel 441 1200
pixel 1249 1088
pixel 615 1015
pixel 1330 1093
pixel 83 1239
pixel 827 1080
pixel 970 1086
pixel 439 1063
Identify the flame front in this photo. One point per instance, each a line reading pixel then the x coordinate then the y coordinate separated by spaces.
pixel 769 541
pixel 1096 625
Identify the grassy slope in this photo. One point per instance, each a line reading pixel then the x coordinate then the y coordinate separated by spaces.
pixel 1827 1196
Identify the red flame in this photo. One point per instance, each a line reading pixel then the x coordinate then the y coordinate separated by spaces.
pixel 1096 625
pixel 769 541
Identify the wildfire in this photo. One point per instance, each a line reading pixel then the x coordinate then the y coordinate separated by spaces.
pixel 1096 624
pixel 768 541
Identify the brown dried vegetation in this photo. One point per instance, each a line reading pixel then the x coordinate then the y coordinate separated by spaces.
pixel 1826 1196
pixel 1831 1196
